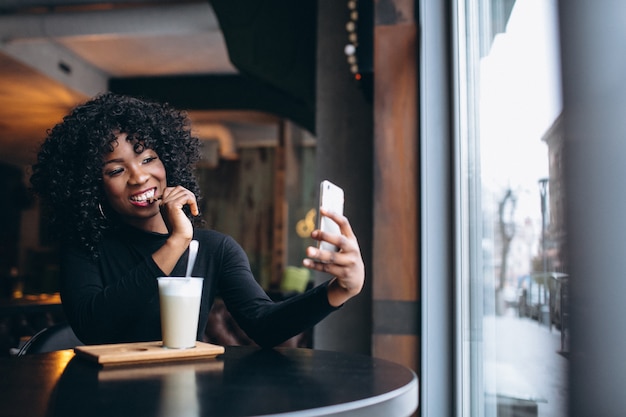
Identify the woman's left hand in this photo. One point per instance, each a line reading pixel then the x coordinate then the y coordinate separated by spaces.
pixel 346 265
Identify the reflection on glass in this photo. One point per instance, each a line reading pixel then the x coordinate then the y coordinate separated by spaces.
pixel 510 103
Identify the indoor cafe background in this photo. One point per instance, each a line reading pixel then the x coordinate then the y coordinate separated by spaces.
pixel 478 141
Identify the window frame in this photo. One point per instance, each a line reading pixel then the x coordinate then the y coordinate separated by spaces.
pixel 439 393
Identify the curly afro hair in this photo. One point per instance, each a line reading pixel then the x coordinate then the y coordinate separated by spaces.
pixel 68 173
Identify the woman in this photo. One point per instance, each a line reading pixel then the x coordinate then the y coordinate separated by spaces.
pixel 116 178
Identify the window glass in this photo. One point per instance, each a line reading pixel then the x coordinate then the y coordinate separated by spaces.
pixel 515 285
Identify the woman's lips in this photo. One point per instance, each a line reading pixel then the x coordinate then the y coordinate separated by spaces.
pixel 144 198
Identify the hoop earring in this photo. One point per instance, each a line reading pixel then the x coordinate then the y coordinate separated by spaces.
pixel 102 211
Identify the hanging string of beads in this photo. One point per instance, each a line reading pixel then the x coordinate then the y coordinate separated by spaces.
pixel 353 39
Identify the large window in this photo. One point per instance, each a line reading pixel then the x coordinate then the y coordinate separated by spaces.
pixel 514 276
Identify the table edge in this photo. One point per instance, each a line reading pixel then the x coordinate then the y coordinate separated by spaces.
pixel 400 402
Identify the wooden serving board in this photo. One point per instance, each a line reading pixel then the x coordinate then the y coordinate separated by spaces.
pixel 123 353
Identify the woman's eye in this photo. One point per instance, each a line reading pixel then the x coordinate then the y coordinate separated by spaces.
pixel 149 159
pixel 114 172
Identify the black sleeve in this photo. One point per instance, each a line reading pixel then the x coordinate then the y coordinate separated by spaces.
pixel 103 311
pixel 267 322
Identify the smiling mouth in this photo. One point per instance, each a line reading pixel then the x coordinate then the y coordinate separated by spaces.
pixel 145 197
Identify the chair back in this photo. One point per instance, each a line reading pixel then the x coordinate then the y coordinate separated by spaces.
pixel 57 337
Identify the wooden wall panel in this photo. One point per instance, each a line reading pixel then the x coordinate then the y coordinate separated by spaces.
pixel 280 208
pixel 396 185
pixel 237 199
pixel 396 173
pixel 399 346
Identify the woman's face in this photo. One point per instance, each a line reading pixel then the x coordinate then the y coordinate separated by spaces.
pixel 130 179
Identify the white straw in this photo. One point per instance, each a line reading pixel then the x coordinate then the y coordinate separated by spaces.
pixel 193 252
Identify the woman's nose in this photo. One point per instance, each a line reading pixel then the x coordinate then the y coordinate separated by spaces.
pixel 137 175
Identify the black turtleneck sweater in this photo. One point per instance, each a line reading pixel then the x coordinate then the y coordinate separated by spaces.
pixel 115 299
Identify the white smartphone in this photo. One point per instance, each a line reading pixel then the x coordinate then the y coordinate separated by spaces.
pixel 331 199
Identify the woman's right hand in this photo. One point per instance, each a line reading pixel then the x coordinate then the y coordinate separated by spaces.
pixel 178 224
pixel 172 202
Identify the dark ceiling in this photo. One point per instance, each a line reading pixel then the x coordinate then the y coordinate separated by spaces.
pixel 208 57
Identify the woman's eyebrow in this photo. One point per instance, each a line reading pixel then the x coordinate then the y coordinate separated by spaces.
pixel 113 161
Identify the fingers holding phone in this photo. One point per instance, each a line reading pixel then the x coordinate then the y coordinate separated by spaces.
pixel 333 233
pixel 334 248
pixel 337 252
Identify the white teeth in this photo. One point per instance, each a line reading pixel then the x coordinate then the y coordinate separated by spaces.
pixel 143 197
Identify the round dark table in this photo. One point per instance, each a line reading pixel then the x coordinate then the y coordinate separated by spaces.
pixel 244 381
